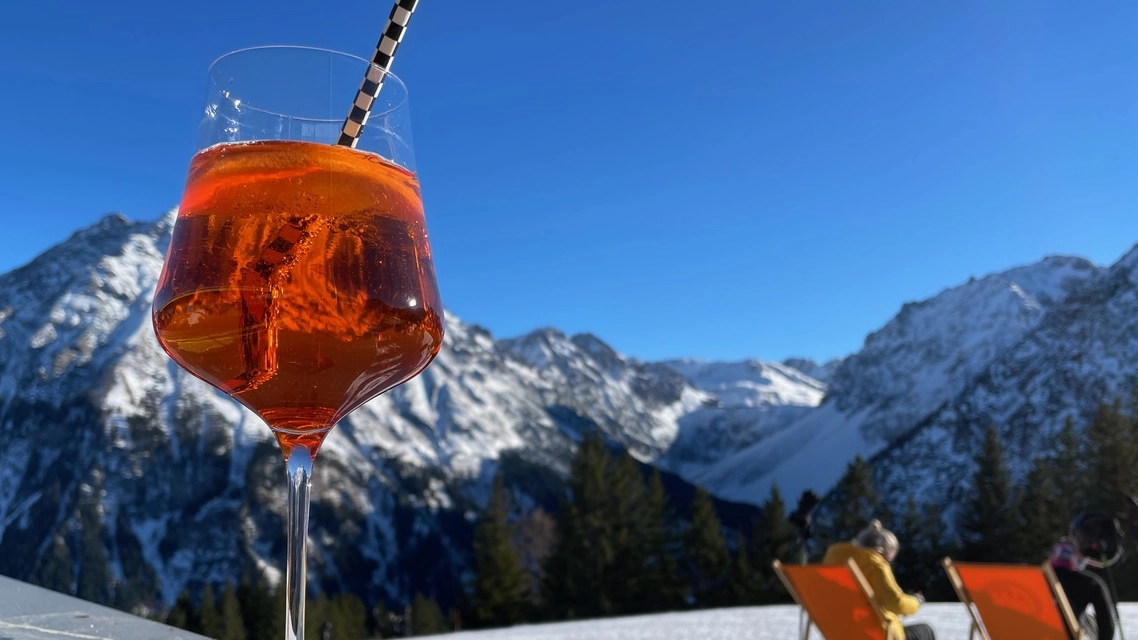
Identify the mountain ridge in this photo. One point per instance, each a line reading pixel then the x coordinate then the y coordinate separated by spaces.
pixel 122 466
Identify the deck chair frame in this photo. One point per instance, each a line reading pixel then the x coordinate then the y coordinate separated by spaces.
pixel 863 586
pixel 1065 612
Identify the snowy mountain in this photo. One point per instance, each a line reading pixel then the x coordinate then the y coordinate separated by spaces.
pixel 123 470
pixel 922 358
pixel 127 480
pixel 746 404
pixel 1082 352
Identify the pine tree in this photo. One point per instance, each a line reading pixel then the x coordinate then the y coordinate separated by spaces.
pixel 232 624
pixel 624 514
pixel 1112 452
pixel 886 515
pixel 348 616
pixel 342 617
pixel 581 553
pixel 1044 516
pixel 990 518
pixel 183 614
pixel 706 552
pixel 533 536
pixel 426 617
pixel 743 582
pixel 1068 463
pixel 276 622
pixel 256 603
pixel 855 502
pixel 663 588
pixel 774 538
pixel 317 620
pixel 499 588
pixel 381 621
pixel 920 529
pixel 210 616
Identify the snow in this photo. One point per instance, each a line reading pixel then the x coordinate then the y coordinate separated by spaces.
pixel 43 337
pixel 811 455
pixel 950 621
pixel 751 383
pixel 928 354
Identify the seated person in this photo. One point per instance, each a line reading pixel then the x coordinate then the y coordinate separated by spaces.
pixel 1093 541
pixel 872 550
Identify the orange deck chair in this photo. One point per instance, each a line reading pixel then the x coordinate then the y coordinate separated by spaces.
pixel 837 600
pixel 1013 601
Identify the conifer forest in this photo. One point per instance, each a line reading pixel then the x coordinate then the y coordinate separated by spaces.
pixel 618 546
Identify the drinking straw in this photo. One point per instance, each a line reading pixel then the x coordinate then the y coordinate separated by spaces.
pixel 376 71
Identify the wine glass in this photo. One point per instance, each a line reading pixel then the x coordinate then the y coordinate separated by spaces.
pixel 299 277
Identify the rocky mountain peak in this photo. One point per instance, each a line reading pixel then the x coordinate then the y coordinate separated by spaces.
pixel 112 447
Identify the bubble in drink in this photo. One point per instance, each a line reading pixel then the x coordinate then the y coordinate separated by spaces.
pixel 299 280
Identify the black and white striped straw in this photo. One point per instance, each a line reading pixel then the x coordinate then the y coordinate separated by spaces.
pixel 377 71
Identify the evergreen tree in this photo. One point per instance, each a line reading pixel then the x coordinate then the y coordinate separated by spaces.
pixel 774 538
pixel 1112 452
pixel 990 518
pixel 625 586
pixel 256 604
pixel 342 617
pixel 1044 516
pixel 1068 464
pixel 855 501
pixel 662 586
pixel 533 536
pixel 743 582
pixel 232 624
pixel 381 622
pixel 581 554
pixel 209 614
pixel 920 530
pixel 886 515
pixel 316 617
pixel 182 614
pixel 706 552
pixel 348 617
pixel 276 621
pixel 499 588
pixel 426 617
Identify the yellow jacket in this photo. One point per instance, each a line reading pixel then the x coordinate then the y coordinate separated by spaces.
pixel 879 574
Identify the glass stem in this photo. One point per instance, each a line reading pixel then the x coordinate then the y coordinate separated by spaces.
pixel 299 465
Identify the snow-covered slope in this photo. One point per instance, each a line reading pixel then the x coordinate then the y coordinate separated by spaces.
pixel 746 405
pixel 925 356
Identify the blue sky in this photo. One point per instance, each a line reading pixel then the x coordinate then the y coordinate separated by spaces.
pixel 748 178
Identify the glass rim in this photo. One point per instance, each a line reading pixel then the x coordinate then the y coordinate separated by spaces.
pixel 365 65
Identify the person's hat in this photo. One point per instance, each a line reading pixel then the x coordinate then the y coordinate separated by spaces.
pixel 875 536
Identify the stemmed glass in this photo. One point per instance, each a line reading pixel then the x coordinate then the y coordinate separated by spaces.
pixel 299 277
